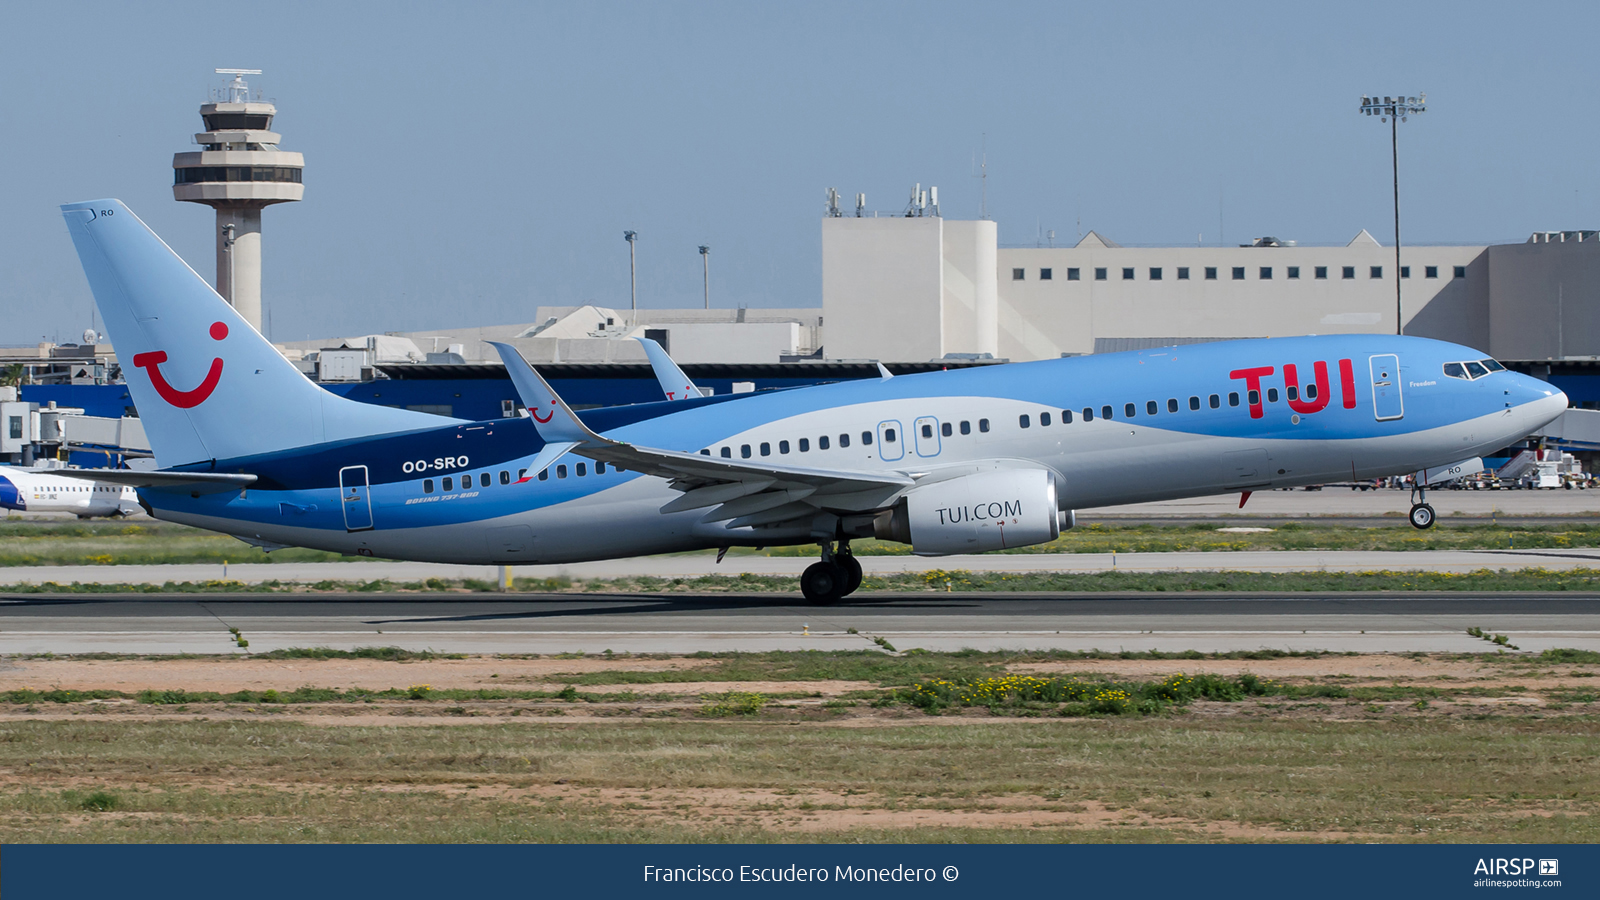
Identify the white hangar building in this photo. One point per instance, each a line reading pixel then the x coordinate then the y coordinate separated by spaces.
pixel 919 287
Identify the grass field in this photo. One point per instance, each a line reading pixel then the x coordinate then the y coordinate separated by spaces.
pixel 32 542
pixel 801 747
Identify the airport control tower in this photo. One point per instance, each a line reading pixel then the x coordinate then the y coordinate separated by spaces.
pixel 239 171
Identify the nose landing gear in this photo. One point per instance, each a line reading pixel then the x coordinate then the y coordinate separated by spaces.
pixel 836 576
pixel 1422 515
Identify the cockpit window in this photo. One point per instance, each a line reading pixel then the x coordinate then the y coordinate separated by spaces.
pixel 1472 369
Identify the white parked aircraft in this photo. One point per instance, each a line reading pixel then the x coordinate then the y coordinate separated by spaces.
pixel 37 490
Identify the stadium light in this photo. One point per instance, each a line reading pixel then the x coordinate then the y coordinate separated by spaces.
pixel 1395 110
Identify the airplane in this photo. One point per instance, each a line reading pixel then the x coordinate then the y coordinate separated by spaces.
pixel 961 461
pixel 42 490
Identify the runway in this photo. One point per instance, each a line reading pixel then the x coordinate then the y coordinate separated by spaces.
pixel 686 623
pixel 697 564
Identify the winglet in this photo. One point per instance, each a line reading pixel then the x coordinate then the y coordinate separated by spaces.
pixel 884 373
pixel 674 384
pixel 560 424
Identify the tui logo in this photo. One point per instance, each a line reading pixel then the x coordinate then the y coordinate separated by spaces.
pixel 183 399
pixel 1312 399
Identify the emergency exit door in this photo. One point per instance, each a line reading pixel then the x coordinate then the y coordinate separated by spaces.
pixel 1387 403
pixel 355 498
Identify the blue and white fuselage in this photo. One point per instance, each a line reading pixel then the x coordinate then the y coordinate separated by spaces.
pixel 443 494
pixel 947 461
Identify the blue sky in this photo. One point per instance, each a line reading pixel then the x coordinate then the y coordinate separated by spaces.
pixel 468 162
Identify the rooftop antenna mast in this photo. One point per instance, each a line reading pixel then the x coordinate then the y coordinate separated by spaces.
pixel 983 178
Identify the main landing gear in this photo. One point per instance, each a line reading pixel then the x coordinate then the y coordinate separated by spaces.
pixel 837 575
pixel 1421 513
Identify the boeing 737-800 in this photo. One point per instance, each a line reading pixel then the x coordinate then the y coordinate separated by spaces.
pixel 949 462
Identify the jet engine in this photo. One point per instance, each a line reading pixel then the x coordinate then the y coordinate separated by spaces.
pixel 974 513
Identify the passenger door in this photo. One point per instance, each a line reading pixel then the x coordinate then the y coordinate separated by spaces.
pixel 355 498
pixel 1387 402
pixel 891 443
pixel 927 436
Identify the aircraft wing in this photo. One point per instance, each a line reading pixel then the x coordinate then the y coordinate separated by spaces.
pixel 674 384
pixel 746 492
pixel 191 482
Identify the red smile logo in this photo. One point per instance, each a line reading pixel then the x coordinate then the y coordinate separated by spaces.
pixel 547 416
pixel 183 399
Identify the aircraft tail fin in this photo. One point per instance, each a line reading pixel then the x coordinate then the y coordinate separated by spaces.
pixel 207 385
pixel 674 384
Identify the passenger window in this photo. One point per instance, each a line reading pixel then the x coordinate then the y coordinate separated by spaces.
pixel 805 445
pixel 449 484
pixel 888 435
pixel 1150 408
pixel 561 470
pixel 1476 370
pixel 600 467
pixel 1311 392
pixel 705 452
pixel 521 474
pixel 1172 405
pixel 1194 402
pixel 822 442
pixel 744 451
pixel 1088 414
pixel 966 427
pixel 1272 395
pixel 1216 402
pixel 927 431
pixel 866 438
pixel 945 429
pixel 544 474
pixel 727 452
pixel 844 440
pixel 1023 421
pixel 505 477
pixel 983 425
pixel 1128 410
pixel 766 448
pixel 1044 420
pixel 1292 392
pixel 1066 417
pixel 783 446
pixel 583 469
pixel 1105 412
pixel 1255 399
pixel 427 485
pixel 1233 398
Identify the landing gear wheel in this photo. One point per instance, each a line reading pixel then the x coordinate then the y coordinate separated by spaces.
pixel 852 572
pixel 1422 516
pixel 823 583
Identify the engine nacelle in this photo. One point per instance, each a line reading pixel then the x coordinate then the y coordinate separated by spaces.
pixel 974 513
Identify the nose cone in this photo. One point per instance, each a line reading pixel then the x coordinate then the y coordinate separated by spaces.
pixel 1541 401
pixel 10 497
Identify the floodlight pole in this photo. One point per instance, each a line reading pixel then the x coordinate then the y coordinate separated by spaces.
pixel 1394 110
pixel 705 260
pixel 633 272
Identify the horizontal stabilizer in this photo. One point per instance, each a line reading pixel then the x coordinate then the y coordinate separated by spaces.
pixel 191 482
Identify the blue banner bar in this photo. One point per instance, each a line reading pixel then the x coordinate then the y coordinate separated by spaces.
pixel 312 872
